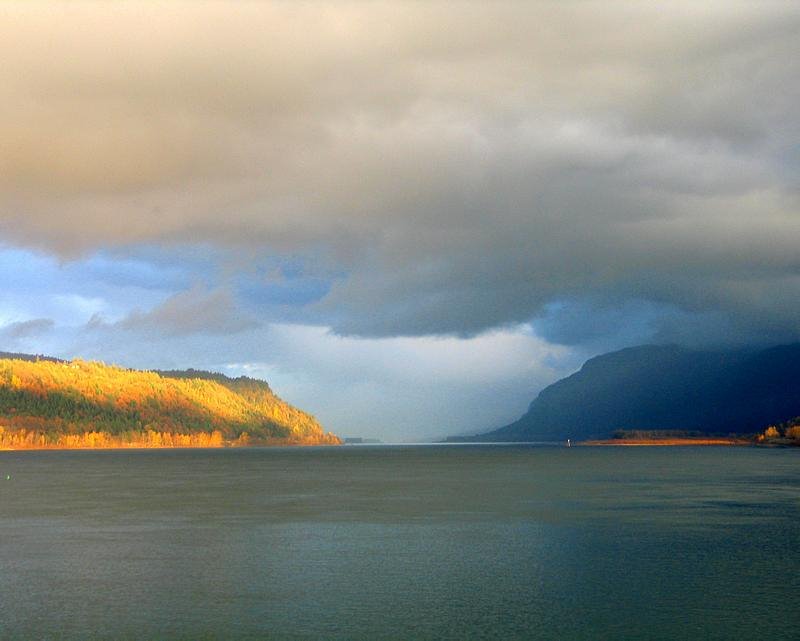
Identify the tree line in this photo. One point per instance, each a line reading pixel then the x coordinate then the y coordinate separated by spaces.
pixel 79 403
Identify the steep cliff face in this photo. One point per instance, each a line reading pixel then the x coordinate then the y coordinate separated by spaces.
pixel 664 388
pixel 51 403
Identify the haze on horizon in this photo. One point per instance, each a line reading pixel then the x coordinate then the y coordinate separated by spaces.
pixel 407 217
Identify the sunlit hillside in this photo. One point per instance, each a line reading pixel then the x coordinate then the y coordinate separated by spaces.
pixel 85 404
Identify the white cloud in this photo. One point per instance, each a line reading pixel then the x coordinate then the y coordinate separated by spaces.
pixel 193 311
pixel 402 389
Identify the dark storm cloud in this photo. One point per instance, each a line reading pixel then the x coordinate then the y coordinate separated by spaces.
pixel 457 167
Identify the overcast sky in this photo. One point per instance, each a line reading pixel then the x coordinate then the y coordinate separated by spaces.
pixel 408 217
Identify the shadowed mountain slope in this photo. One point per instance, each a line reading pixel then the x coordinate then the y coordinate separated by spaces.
pixel 664 388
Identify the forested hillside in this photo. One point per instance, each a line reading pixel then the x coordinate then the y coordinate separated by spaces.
pixel 49 403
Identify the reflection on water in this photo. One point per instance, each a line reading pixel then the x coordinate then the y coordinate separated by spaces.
pixel 437 542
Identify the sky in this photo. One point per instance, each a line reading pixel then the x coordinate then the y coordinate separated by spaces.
pixel 408 217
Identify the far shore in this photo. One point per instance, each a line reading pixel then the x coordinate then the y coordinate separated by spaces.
pixel 666 442
pixel 143 446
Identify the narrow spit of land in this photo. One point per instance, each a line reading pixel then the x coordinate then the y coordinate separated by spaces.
pixel 785 434
pixel 646 442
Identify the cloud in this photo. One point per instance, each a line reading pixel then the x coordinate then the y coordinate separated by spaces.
pixel 448 168
pixel 194 311
pixel 408 388
pixel 33 335
pixel 38 285
pixel 26 329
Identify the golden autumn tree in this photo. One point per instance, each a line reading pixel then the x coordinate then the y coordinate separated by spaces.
pixel 86 404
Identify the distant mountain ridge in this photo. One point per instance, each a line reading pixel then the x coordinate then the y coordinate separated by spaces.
pixel 49 402
pixel 664 388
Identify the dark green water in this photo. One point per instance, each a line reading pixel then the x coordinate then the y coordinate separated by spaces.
pixel 438 542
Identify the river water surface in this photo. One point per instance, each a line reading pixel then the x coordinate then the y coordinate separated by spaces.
pixel 401 542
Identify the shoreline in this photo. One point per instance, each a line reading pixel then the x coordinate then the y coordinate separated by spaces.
pixel 164 447
pixel 666 442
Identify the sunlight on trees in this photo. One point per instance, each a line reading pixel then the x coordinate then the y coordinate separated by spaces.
pixel 90 405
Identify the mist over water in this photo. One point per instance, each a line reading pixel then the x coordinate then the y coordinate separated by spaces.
pixel 400 542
